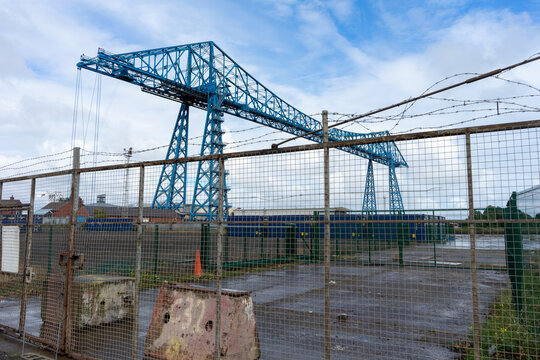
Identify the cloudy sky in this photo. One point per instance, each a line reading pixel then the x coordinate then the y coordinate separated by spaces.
pixel 343 56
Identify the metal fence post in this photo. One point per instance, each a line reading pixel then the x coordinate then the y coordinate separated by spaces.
pixel 314 235
pixel 326 237
pixel 49 260
pixel 226 246
pixel 399 242
pixel 68 301
pixel 205 242
pixel 476 317
pixel 336 245
pixel 27 272
pixel 434 253
pixel 451 232
pixel 265 237
pixel 136 296
pixel 245 244
pixel 290 241
pixel 367 234
pixel 219 268
pixel 277 244
pixel 156 251
pixel 356 238
pixel 433 227
pixel 261 245
pixel 514 253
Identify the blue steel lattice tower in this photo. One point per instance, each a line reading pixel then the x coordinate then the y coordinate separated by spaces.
pixel 370 202
pixel 207 187
pixel 171 189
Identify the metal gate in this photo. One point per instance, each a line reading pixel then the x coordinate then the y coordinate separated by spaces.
pixel 18 273
pixel 38 268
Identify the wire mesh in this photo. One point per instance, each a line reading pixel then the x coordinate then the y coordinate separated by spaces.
pixel 453 275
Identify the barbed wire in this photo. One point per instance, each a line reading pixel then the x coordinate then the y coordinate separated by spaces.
pixel 443 111
pixel 455 123
pixel 513 107
pixel 516 82
pixel 407 103
pixel 34 158
pixel 500 106
pixel 402 114
pixel 103 153
pixel 37 171
pixel 31 165
pixel 463 102
pixel 497 111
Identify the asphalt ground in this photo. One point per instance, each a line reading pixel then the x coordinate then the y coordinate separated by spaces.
pixel 412 312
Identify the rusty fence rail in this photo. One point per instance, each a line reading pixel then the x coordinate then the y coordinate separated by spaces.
pixel 293 267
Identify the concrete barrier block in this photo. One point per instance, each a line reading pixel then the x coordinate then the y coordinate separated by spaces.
pixel 183 325
pixel 102 299
pixel 97 300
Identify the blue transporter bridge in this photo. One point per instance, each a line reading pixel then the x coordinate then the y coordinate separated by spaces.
pixel 203 76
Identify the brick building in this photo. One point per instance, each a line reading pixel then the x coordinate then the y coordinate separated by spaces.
pixel 11 206
pixel 61 211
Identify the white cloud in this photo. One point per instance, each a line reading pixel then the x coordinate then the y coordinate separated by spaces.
pixel 478 42
pixel 343 10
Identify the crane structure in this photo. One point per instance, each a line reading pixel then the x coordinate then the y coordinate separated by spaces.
pixel 203 76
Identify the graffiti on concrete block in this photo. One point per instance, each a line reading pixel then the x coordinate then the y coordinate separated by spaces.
pixel 184 325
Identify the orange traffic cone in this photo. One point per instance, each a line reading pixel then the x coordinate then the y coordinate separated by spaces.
pixel 198 267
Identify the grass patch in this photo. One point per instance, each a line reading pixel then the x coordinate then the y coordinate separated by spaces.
pixel 504 335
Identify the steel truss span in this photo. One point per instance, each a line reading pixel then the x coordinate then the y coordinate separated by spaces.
pixel 204 76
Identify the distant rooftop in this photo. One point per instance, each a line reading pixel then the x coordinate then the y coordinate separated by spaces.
pixel 119 211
